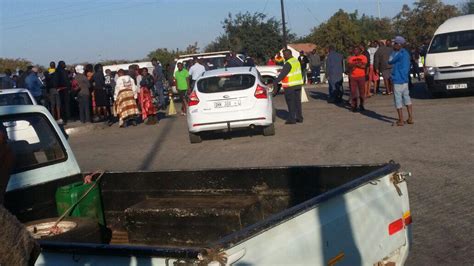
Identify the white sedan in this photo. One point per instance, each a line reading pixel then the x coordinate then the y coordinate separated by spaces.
pixel 229 98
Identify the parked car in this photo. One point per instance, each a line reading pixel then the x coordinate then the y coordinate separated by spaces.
pixel 229 98
pixel 449 63
pixel 16 97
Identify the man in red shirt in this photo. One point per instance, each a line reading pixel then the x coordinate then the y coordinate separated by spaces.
pixel 357 66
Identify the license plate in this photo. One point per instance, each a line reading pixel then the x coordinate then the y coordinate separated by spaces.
pixel 456 86
pixel 228 103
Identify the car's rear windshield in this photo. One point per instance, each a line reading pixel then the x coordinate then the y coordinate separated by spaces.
pixel 33 141
pixel 226 83
pixel 452 42
pixel 21 98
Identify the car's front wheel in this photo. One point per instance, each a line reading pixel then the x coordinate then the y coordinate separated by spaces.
pixel 194 138
pixel 269 130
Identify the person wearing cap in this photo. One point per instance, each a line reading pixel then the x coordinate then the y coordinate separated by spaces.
pixel 303 62
pixel 400 60
pixel 83 95
pixel 34 85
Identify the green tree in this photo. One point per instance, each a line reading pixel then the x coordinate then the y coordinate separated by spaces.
pixel 420 23
pixel 192 49
pixel 166 56
pixel 117 61
pixel 163 55
pixel 13 64
pixel 341 31
pixel 467 7
pixel 344 30
pixel 255 34
pixel 372 28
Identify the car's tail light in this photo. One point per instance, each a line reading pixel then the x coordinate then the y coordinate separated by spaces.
pixel 193 99
pixel 261 92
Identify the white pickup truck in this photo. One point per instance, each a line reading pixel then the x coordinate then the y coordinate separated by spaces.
pixel 300 215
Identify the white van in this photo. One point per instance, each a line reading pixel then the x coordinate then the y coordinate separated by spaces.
pixel 449 63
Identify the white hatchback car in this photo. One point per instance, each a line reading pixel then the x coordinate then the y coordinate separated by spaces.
pixel 229 98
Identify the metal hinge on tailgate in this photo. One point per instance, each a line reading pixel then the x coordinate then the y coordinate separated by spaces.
pixel 397 178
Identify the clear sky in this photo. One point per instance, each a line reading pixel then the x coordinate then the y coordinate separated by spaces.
pixel 88 30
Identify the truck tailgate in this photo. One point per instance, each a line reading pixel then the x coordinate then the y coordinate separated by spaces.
pixel 361 226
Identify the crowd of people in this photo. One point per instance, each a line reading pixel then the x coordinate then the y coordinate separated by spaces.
pixel 86 93
pixel 134 95
pixel 392 60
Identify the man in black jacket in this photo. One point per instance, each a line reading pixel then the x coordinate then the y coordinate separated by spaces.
pixel 303 62
pixel 63 86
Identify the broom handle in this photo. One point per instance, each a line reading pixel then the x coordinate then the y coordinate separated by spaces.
pixel 81 198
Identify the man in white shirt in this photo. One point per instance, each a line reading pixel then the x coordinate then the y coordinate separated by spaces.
pixel 196 71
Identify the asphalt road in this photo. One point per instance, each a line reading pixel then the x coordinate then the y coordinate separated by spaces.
pixel 438 149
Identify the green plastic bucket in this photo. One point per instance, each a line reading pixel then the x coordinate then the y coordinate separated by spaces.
pixel 89 207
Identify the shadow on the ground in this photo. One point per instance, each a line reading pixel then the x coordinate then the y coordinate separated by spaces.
pixel 155 148
pixel 282 114
pixel 234 133
pixel 318 95
pixel 377 116
pixel 345 104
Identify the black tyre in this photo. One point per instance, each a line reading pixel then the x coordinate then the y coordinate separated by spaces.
pixel 269 130
pixel 73 230
pixel 194 138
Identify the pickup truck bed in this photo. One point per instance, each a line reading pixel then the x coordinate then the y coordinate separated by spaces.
pixel 181 214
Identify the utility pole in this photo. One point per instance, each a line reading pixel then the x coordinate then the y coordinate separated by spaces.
pixel 284 23
pixel 378 8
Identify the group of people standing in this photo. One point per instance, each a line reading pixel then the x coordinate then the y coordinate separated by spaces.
pixel 390 60
pixel 84 91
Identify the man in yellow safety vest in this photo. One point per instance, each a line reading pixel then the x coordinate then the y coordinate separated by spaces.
pixel 291 80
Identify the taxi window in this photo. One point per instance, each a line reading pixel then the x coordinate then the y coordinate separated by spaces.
pixel 21 98
pixel 33 140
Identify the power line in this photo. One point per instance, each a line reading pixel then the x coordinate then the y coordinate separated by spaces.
pixel 265 7
pixel 60 14
pixel 77 16
pixel 287 15
pixel 378 8
pixel 310 12
pixel 44 10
